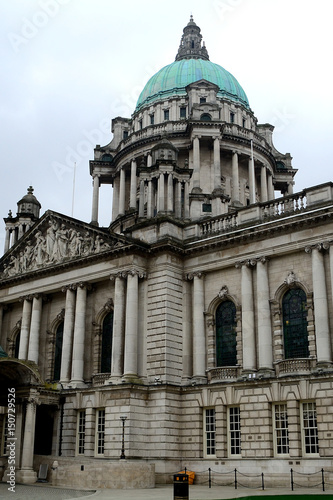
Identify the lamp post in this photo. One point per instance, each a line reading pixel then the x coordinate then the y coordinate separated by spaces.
pixel 123 418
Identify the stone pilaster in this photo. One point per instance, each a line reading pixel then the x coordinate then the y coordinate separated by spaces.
pixel 199 337
pixel 79 336
pixel 248 326
pixel 25 327
pixel 265 342
pixel 36 316
pixel 66 355
pixel 118 341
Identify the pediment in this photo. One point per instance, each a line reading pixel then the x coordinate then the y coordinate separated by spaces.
pixel 56 239
pixel 200 84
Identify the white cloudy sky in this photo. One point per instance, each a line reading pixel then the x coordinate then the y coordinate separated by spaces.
pixel 69 66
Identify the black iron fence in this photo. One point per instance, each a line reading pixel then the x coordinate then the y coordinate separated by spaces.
pixel 319 479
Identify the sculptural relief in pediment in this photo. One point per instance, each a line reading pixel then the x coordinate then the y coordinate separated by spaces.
pixel 58 243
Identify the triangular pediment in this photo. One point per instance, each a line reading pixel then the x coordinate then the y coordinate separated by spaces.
pixel 200 84
pixel 56 239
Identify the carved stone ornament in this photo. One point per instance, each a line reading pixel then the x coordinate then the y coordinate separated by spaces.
pixel 291 278
pixel 223 292
pixel 58 243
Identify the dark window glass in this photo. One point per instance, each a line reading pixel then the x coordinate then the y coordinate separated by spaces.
pixel 232 117
pixel 202 100
pixel 58 351
pixel 125 135
pixel 182 112
pixel 166 114
pixel 152 119
pixel 17 345
pixel 226 354
pixel 107 343
pixel 296 344
pixel 205 117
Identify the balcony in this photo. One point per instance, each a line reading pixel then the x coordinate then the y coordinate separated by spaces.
pixel 223 373
pixel 295 366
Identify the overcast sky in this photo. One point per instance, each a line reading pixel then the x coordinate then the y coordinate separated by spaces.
pixel 70 66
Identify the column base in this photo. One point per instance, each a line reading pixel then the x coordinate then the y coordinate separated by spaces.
pixel 26 476
pixel 198 380
pixel 265 373
pixel 130 378
pixel 76 384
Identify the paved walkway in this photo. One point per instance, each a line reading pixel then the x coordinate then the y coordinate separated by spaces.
pixel 196 492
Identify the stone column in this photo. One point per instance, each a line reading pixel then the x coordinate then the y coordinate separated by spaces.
pixel 217 163
pixel 187 333
pixel 25 328
pixel 263 184
pixel 186 200
pixel 323 343
pixel 265 342
pixel 1 317
pixel 160 193
pixel 199 337
pixel 249 343
pixel 20 231
pixel 79 336
pixel 66 355
pixel 133 185
pixel 36 317
pixel 252 181
pixel 196 162
pixel 122 193
pixel 270 187
pixel 94 213
pixel 290 188
pixel 115 198
pixel 150 205
pixel 26 474
pixel 170 193
pixel 149 160
pixel 7 240
pixel 118 340
pixel 131 325
pixel 235 178
pixel 142 198
pixel 178 202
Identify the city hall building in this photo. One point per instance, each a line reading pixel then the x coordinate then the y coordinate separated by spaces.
pixel 195 330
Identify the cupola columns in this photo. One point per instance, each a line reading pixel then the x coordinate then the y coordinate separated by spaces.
pixel 95 202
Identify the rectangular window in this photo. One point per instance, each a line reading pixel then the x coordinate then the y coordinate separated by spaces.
pixel 232 117
pixel 234 431
pixel 81 432
pixel 125 135
pixel 281 429
pixel 206 207
pixel 309 428
pixel 209 431
pixel 202 100
pixel 166 114
pixel 182 112
pixel 4 435
pixel 152 119
pixel 100 432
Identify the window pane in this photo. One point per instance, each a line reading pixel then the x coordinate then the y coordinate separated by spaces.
pixel 310 428
pixel 100 431
pixel 234 430
pixel 226 353
pixel 107 343
pixel 210 431
pixel 81 432
pixel 295 324
pixel 281 429
pixel 58 351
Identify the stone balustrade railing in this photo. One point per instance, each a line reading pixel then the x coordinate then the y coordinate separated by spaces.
pixel 223 373
pixel 285 206
pixel 99 378
pixel 294 366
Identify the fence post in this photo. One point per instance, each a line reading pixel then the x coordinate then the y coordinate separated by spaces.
pixel 323 479
pixel 235 479
pixel 262 481
pixel 209 478
pixel 292 480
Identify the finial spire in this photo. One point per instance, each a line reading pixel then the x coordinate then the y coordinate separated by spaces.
pixel 190 44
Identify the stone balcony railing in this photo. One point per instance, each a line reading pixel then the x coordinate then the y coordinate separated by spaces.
pixel 99 378
pixel 295 366
pixel 223 373
pixel 286 206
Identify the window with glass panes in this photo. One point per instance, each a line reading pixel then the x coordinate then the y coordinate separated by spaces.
pixel 81 432
pixel 4 435
pixel 295 332
pixel 234 431
pixel 100 431
pixel 309 428
pixel 226 345
pixel 210 431
pixel 281 429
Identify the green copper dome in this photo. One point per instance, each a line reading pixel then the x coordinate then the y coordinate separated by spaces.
pixel 172 80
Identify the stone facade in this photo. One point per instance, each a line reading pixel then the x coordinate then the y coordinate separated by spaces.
pixel 203 314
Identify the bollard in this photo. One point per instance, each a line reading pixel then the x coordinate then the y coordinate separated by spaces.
pixel 180 487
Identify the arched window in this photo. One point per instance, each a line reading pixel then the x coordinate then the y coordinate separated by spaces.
pixel 58 351
pixel 17 344
pixel 226 353
pixel 107 331
pixel 296 344
pixel 206 117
